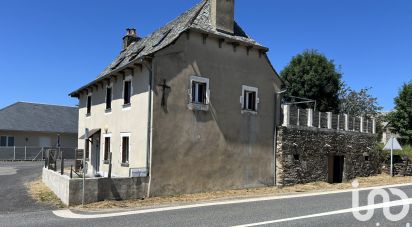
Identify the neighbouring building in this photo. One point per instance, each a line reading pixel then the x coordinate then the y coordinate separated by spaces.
pixel 190 108
pixel 26 124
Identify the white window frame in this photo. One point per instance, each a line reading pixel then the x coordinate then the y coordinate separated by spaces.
pixel 104 145
pixel 90 94
pixel 199 106
pixel 111 104
pixel 127 79
pixel 246 88
pixel 122 135
pixel 7 140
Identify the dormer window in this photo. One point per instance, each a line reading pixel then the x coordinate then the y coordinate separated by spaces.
pixel 199 93
pixel 249 99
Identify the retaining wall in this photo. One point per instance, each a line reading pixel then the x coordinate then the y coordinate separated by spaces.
pixel 96 189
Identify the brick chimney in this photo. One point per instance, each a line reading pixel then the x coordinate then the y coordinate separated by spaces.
pixel 223 15
pixel 129 38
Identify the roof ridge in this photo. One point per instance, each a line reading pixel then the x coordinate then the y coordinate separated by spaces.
pixel 36 103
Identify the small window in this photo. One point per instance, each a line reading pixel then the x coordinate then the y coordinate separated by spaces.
pixel 125 150
pixel 108 98
pixel 3 141
pixel 10 141
pixel 199 90
pixel 89 104
pixel 106 148
pixel 127 92
pixel 87 148
pixel 296 157
pixel 249 99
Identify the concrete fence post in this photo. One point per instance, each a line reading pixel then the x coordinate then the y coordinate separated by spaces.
pixel 286 115
pixel 338 125
pixel 14 153
pixel 329 114
pixel 298 120
pixel 361 124
pixel 346 122
pixel 25 153
pixel 310 117
pixel 373 125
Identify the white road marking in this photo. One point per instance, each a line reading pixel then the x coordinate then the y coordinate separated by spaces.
pixel 6 171
pixel 69 214
pixel 350 210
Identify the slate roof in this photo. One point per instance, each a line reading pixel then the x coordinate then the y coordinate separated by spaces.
pixel 32 117
pixel 197 18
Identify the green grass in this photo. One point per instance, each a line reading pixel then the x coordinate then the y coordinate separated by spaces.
pixel 407 151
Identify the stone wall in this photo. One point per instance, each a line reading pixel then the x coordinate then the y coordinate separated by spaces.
pixel 303 153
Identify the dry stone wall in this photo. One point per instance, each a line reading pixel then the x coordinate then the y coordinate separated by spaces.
pixel 303 154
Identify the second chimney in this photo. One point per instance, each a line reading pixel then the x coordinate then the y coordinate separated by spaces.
pixel 223 15
pixel 129 38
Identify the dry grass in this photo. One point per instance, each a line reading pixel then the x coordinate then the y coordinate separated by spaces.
pixel 41 193
pixel 378 180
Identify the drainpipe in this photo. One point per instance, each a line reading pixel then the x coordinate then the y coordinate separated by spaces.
pixel 275 138
pixel 149 123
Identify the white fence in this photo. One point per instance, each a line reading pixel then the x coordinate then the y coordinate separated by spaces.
pixel 31 153
pixel 309 118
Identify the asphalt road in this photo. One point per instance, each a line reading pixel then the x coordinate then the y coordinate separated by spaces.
pixel 228 213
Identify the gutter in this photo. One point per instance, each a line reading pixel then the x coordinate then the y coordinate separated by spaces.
pixel 149 123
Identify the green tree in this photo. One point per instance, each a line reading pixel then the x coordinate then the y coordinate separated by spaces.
pixel 359 103
pixel 311 75
pixel 401 118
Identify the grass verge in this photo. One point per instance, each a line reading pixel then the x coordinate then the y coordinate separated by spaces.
pixel 378 180
pixel 41 193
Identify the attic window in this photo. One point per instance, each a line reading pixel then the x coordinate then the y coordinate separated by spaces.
pixel 163 37
pixel 134 55
pixel 118 63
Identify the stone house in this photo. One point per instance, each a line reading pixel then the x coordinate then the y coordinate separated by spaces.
pixel 192 107
pixel 26 124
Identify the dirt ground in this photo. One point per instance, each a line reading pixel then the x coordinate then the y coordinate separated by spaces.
pixel 43 194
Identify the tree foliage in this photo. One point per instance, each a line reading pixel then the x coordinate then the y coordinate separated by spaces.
pixel 311 75
pixel 401 118
pixel 359 103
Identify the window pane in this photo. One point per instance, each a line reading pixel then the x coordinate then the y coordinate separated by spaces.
pixel 109 98
pixel 193 91
pixel 86 149
pixel 89 104
pixel 127 92
pixel 125 150
pixel 3 141
pixel 10 141
pixel 106 148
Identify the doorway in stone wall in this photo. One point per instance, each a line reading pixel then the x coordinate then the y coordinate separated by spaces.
pixel 335 168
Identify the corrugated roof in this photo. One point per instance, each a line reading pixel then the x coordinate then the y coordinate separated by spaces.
pixel 196 18
pixel 33 117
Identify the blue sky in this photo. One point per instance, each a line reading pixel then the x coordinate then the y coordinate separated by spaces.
pixel 49 48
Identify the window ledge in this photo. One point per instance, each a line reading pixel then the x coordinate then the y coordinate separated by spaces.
pixel 249 112
pixel 198 106
pixel 125 164
pixel 127 106
pixel 88 115
pixel 106 162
